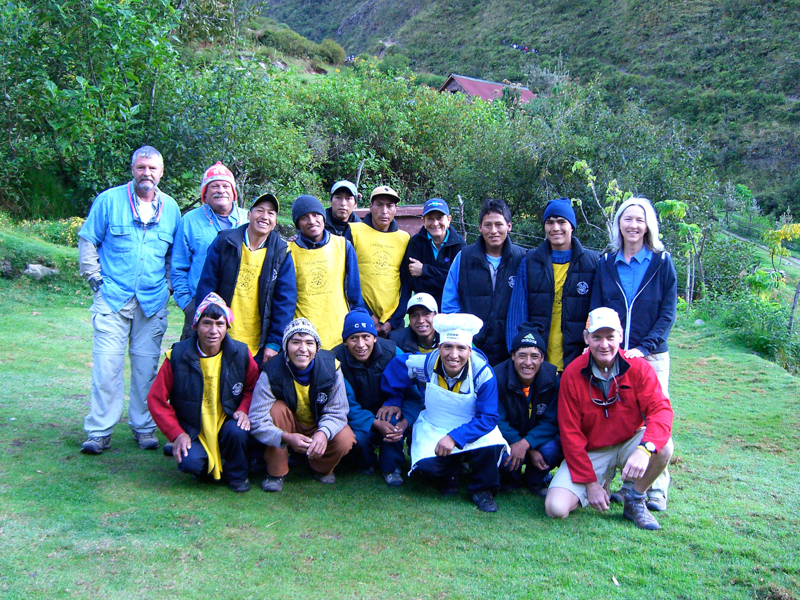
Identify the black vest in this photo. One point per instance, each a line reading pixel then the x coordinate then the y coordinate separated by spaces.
pixel 366 381
pixel 323 376
pixel 187 387
pixel 477 297
pixel 230 259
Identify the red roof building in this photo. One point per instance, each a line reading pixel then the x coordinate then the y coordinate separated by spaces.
pixel 486 90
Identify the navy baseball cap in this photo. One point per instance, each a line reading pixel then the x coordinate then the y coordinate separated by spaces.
pixel 435 204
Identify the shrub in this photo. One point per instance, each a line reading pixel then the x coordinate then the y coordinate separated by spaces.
pixel 331 52
pixel 57 231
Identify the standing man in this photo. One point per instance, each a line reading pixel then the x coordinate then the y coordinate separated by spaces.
pixel 432 250
pixel 612 415
pixel 481 279
pixel 124 251
pixel 251 269
pixel 326 268
pixel 419 337
pixel 201 396
pixel 380 246
pixel 198 228
pixel 300 401
pixel 528 393
pixel 554 287
pixel 338 217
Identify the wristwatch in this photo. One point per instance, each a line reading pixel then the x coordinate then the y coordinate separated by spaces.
pixel 650 447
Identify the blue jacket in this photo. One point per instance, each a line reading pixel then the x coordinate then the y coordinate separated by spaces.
pixel 434 270
pixel 405 370
pixel 196 231
pixel 133 255
pixel 277 283
pixel 648 318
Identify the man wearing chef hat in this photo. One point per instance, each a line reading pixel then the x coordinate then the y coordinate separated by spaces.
pixel 459 422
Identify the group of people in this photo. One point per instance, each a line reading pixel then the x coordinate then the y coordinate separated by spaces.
pixel 516 362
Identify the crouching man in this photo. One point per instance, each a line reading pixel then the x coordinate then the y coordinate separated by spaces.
pixel 528 394
pixel 459 422
pixel 364 356
pixel 300 402
pixel 604 402
pixel 201 396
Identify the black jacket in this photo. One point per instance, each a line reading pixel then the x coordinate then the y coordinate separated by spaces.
pixel 434 270
pixel 407 340
pixel 648 319
pixel 542 424
pixel 337 227
pixel 366 380
pixel 186 396
pixel 323 376
pixel 476 295
pixel 575 297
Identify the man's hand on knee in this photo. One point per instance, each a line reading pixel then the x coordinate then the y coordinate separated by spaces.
pixel 636 465
pixel 318 445
pixel 597 496
pixel 180 447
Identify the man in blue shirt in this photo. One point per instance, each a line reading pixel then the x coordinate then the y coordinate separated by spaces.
pixel 197 229
pixel 124 248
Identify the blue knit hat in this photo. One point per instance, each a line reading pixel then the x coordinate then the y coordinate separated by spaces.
pixel 306 204
pixel 562 207
pixel 358 320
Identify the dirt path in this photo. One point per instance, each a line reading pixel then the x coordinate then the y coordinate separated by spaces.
pixel 789 259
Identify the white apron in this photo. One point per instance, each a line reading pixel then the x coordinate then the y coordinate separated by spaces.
pixel 444 411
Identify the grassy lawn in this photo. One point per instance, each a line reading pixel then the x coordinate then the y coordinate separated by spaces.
pixel 127 525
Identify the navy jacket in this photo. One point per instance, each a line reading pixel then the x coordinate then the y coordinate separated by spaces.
pixel 648 318
pixel 515 424
pixel 434 270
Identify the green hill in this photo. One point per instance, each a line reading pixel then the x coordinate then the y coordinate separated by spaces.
pixel 728 69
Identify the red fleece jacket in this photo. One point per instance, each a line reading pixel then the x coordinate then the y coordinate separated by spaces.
pixel 584 425
pixel 163 413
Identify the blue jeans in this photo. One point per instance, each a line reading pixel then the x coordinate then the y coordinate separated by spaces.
pixel 390 454
pixel 536 478
pixel 484 474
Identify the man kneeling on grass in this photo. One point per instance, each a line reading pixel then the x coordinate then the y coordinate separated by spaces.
pixel 300 401
pixel 604 402
pixel 201 396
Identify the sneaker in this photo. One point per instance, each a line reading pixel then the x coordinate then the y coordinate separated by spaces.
pixel 273 484
pixel 484 501
pixel 369 471
pixel 636 510
pixel 240 487
pixel 168 449
pixel 656 501
pixel 393 479
pixel 329 478
pixel 146 441
pixel 96 445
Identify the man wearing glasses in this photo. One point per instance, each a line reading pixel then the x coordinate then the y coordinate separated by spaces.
pixel 604 401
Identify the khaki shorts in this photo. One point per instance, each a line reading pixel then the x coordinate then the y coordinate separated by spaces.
pixel 605 462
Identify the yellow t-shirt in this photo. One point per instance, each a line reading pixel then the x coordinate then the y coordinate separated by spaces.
pixel 303 411
pixel 555 342
pixel 213 416
pixel 380 255
pixel 320 288
pixel 423 350
pixel 246 327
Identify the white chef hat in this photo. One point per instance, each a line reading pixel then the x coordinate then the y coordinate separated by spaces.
pixel 458 328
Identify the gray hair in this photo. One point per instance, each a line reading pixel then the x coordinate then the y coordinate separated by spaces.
pixel 146 152
pixel 651 240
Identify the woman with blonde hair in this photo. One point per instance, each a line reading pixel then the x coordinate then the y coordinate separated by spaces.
pixel 637 279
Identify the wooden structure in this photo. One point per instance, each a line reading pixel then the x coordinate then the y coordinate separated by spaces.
pixel 480 88
pixel 409 218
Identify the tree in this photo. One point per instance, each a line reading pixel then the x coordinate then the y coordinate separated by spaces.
pixel 693 236
pixel 774 239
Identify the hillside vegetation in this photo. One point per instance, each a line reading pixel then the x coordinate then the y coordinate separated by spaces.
pixel 729 69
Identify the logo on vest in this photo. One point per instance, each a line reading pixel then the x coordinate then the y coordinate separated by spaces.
pixel 511 281
pixel 274 274
pixel 540 408
pixel 583 288
pixel 322 398
pixel 382 259
pixel 318 278
pixel 237 389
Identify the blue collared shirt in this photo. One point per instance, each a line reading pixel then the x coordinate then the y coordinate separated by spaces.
pixel 433 245
pixel 631 275
pixel 132 254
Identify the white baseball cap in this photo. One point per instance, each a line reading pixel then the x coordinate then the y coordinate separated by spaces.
pixel 423 299
pixel 603 317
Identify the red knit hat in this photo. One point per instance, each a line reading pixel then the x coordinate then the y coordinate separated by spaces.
pixel 217 172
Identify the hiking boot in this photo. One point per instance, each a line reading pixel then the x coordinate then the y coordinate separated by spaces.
pixel 618 497
pixel 393 479
pixel 329 478
pixel 484 501
pixel 168 449
pixel 656 501
pixel 146 440
pixel 636 510
pixel 240 487
pixel 273 484
pixel 96 445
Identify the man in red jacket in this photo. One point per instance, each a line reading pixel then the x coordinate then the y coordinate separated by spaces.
pixel 201 396
pixel 604 402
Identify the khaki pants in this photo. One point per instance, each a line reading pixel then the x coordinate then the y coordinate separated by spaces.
pixel 278 458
